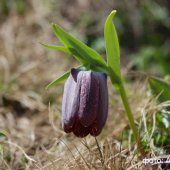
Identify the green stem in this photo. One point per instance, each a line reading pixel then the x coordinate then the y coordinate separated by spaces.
pixel 129 115
pixel 131 118
pixel 128 111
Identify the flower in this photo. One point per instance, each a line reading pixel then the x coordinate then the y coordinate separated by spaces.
pixel 85 103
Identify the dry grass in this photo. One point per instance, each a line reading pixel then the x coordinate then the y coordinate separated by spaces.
pixel 33 136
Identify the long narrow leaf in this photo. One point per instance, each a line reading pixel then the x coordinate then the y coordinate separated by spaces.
pixel 160 87
pixel 66 51
pixel 84 52
pixel 58 80
pixel 61 78
pixel 112 46
pixel 58 48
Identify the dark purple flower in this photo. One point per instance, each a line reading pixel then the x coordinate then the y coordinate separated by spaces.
pixel 85 103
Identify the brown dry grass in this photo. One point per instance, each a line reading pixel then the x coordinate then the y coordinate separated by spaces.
pixel 34 138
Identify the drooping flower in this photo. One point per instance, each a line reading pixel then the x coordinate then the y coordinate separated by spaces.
pixel 85 103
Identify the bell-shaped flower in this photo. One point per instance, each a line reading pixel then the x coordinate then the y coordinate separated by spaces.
pixel 85 103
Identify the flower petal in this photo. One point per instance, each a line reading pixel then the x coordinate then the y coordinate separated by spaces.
pixel 70 103
pixel 89 98
pixel 103 106
pixel 79 130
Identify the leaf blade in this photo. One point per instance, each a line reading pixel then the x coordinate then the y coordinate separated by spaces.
pixel 58 80
pixel 112 47
pixel 160 87
pixel 56 47
pixel 66 50
pixel 85 52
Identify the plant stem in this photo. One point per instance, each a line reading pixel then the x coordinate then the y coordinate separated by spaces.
pixel 129 115
pixel 128 111
pixel 131 118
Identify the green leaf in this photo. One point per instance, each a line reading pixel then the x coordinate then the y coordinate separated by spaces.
pixel 58 48
pixel 82 51
pixel 112 47
pixel 66 50
pixel 58 80
pixel 160 87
